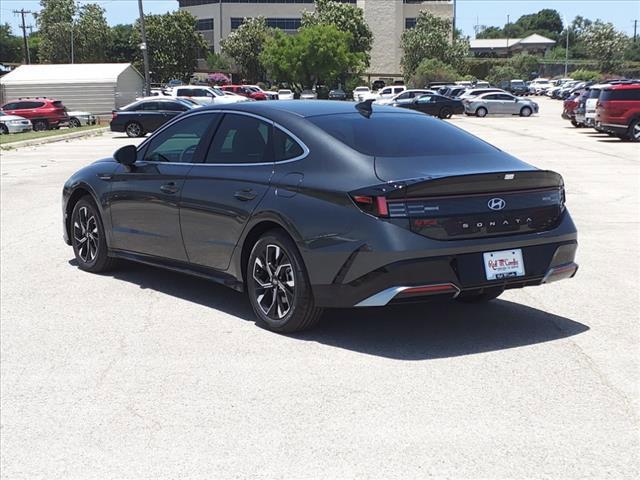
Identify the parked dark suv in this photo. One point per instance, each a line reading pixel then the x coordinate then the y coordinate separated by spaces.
pixel 44 113
pixel 618 111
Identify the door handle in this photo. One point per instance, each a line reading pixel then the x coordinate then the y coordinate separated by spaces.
pixel 245 195
pixel 170 188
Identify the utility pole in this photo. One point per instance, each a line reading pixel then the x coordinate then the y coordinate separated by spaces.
pixel 453 22
pixel 507 29
pixel 72 52
pixel 566 56
pixel 145 52
pixel 27 54
pixel 220 29
pixel 635 30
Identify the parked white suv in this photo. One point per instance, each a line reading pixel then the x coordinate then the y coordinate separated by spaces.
pixel 539 86
pixel 203 95
pixel 390 91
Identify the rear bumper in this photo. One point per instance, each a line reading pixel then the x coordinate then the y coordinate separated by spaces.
pixel 614 128
pixel 423 279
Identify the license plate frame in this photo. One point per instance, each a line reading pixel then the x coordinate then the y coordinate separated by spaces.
pixel 504 264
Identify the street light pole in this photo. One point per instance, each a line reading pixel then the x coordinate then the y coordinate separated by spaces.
pixel 566 56
pixel 72 52
pixel 145 52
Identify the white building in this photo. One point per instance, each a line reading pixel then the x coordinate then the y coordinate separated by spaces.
pixel 96 87
pixel 386 18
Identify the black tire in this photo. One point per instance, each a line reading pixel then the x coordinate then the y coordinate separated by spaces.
pixel 481 112
pixel 487 295
pixel 287 305
pixel 526 112
pixel 445 112
pixel 134 129
pixel 74 123
pixel 575 124
pixel 88 237
pixel 4 130
pixel 634 131
pixel 40 125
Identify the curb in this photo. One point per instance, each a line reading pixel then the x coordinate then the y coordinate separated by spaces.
pixel 54 138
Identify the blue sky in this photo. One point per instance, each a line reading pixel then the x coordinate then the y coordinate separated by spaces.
pixel 486 12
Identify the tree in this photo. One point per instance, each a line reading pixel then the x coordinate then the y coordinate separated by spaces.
pixel 11 46
pixel 121 47
pixel 91 35
pixel 546 20
pixel 217 61
pixel 501 73
pixel 605 44
pixel 244 47
pixel 346 18
pixel 523 64
pixel 432 70
pixel 174 45
pixel 490 32
pixel 317 53
pixel 586 75
pixel 55 23
pixel 431 38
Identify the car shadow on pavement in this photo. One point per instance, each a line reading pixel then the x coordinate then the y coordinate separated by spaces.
pixel 440 329
pixel 405 332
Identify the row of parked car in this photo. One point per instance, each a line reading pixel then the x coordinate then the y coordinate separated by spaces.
pixel 443 100
pixel 612 107
pixel 38 114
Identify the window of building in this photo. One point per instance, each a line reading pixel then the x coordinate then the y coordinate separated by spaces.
pixel 410 23
pixel 290 24
pixel 204 24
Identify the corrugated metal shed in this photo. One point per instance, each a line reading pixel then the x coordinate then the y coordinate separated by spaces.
pixel 95 87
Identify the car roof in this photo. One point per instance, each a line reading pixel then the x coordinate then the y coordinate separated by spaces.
pixel 624 86
pixel 302 108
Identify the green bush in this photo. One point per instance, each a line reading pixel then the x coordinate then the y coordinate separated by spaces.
pixel 500 73
pixel 586 75
pixel 432 70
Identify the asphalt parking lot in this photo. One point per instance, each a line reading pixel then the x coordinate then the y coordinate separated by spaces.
pixel 149 374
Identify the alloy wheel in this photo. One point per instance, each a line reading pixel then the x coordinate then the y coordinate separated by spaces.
pixel 275 282
pixel 86 235
pixel 134 130
pixel 636 131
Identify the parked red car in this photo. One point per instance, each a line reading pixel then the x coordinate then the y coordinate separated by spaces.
pixel 618 111
pixel 570 105
pixel 44 113
pixel 244 91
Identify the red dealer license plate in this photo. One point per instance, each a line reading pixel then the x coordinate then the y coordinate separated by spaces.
pixel 504 264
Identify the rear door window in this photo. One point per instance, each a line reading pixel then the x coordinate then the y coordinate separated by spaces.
pixel 622 94
pixel 240 139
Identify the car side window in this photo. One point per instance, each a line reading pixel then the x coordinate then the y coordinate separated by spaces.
pixel 173 107
pixel 240 139
pixel 10 106
pixel 425 99
pixel 150 106
pixel 490 97
pixel 179 142
pixel 505 97
pixel 285 147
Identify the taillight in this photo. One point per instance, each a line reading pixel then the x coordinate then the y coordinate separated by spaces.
pixel 114 114
pixel 375 205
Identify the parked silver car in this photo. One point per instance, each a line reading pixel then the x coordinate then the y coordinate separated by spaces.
pixel 14 124
pixel 79 119
pixel 501 104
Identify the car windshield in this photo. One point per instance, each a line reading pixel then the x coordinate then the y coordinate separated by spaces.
pixel 362 89
pixel 285 92
pixel 399 135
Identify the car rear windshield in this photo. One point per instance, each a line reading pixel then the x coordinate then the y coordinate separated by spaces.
pixel 623 94
pixel 594 93
pixel 399 135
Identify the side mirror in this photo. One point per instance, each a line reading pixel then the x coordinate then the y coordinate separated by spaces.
pixel 126 155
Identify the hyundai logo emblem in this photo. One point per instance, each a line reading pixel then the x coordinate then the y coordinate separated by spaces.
pixel 496 204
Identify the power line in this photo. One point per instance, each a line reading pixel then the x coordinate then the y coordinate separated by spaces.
pixel 23 12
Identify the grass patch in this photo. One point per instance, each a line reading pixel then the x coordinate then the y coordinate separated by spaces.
pixel 19 137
